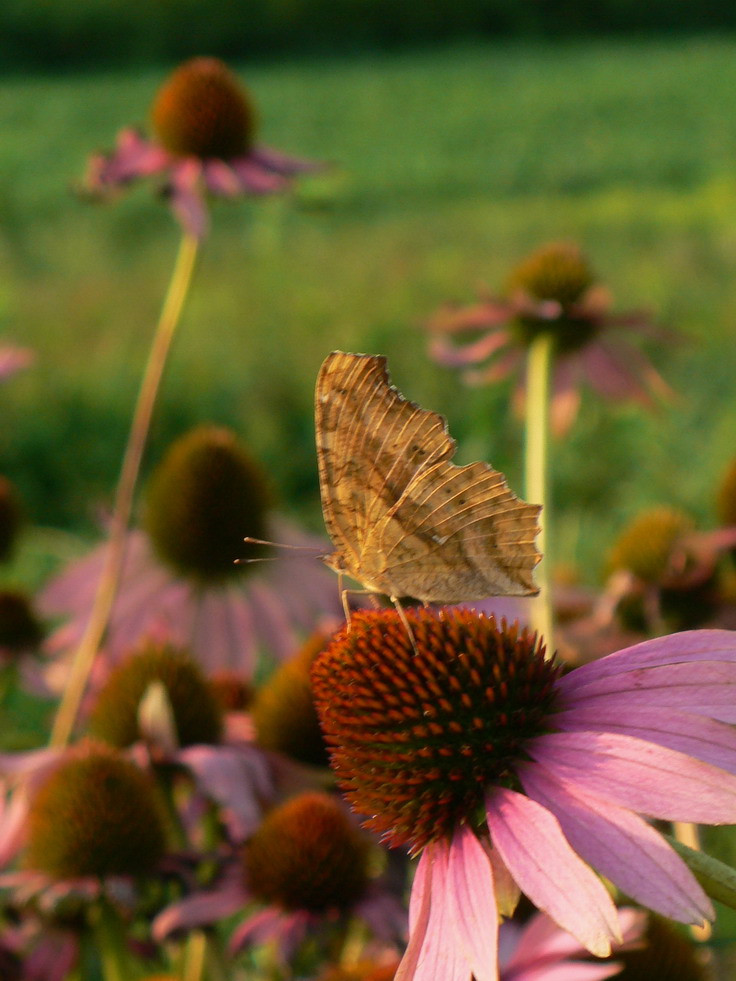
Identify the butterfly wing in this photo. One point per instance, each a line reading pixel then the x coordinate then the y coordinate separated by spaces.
pixel 457 533
pixel 371 443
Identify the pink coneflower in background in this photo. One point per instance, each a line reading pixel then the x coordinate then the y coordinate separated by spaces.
pixel 204 124
pixel 180 582
pixel 471 748
pixel 14 359
pixel 552 291
pixel 304 872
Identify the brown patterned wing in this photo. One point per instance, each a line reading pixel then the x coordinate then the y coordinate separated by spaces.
pixel 457 533
pixel 371 442
pixel 404 520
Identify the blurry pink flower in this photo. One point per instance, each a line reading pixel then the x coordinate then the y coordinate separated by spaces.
pixel 204 125
pixel 180 582
pixel 14 359
pixel 305 869
pixel 540 951
pixel 552 292
pixel 224 625
pixel 474 750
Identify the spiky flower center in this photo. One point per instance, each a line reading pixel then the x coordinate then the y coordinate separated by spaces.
pixel 646 545
pixel 557 271
pixel 557 274
pixel 95 815
pixel 307 855
pixel 205 497
pixel 283 710
pixel 203 111
pixel 417 737
pixel 116 712
pixel 20 629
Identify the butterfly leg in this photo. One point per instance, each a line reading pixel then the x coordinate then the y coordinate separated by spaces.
pixel 402 615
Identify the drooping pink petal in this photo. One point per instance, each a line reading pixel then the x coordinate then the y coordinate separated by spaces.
pixel 455 355
pixel 255 178
pixel 238 778
pixel 703 738
pixel 472 903
pixel 549 872
pixel 496 371
pixel 220 179
pixel 200 909
pixel 186 197
pixel 285 931
pixel 429 947
pixel 565 401
pixel 621 846
pixel 649 779
pixel 133 157
pixel 52 956
pixel 614 376
pixel 283 163
pixel 689 646
pixel 453 319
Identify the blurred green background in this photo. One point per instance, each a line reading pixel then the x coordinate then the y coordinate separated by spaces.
pixel 451 162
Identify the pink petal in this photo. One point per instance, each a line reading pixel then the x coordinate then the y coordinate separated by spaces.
pixel 238 778
pixel 200 909
pixel 496 371
pixel 556 880
pixel 473 904
pixel 430 952
pixel 621 846
pixel 283 163
pixel 220 179
pixel 255 178
pixel 453 355
pixel 649 779
pixel 186 197
pixel 690 646
pixel 13 359
pixel 705 739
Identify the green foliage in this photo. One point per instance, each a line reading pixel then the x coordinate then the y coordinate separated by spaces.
pixel 43 33
pixel 450 166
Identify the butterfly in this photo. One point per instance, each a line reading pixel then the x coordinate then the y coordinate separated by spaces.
pixel 404 520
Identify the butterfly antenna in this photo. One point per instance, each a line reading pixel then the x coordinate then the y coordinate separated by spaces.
pixel 249 540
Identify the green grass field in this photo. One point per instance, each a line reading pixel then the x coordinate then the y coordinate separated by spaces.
pixel 450 164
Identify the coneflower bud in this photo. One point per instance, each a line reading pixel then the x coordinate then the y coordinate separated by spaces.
pixel 646 545
pixel 283 709
pixel 202 111
pixel 115 716
pixel 20 629
pixel 418 730
pixel 557 271
pixel 308 855
pixel 557 275
pixel 205 497
pixel 96 814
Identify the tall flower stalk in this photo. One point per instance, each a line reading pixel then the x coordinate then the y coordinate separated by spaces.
pixel 536 470
pixel 115 549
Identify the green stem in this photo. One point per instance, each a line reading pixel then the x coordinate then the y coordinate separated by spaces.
pixel 115 958
pixel 115 550
pixel 539 370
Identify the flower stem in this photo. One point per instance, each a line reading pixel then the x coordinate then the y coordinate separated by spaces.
pixel 115 551
pixel 115 957
pixel 539 370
